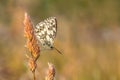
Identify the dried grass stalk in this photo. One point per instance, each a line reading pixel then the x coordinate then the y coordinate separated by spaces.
pixel 31 63
pixel 50 72
pixel 34 49
pixel 31 44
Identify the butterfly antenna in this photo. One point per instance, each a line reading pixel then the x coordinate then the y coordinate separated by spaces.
pixel 57 50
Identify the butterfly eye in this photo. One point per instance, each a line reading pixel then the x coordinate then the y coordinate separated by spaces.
pixel 51 47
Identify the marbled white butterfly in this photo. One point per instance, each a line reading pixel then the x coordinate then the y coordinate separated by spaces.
pixel 45 32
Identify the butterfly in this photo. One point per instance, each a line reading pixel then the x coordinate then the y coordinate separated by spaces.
pixel 45 32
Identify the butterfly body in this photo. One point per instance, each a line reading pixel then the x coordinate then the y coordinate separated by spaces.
pixel 45 32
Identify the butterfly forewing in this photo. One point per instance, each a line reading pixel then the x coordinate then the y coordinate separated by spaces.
pixel 45 31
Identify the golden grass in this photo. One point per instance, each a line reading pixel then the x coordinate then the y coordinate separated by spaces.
pixel 34 49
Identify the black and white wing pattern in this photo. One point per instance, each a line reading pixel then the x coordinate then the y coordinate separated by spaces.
pixel 45 32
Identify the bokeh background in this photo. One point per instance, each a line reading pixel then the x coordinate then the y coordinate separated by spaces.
pixel 88 36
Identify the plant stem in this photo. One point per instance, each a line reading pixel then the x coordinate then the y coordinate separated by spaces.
pixel 34 78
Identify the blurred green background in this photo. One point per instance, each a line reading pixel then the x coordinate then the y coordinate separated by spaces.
pixel 88 36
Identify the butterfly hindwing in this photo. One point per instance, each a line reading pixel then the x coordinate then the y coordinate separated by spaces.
pixel 45 31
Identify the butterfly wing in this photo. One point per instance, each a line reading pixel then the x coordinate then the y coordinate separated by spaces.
pixel 45 32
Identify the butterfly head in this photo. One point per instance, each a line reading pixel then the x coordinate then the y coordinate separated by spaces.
pixel 47 45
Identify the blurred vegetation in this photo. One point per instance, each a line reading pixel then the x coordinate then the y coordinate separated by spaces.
pixel 88 37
